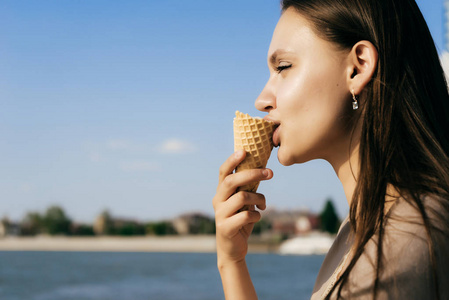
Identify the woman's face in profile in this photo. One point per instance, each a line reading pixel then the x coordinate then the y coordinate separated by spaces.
pixel 307 93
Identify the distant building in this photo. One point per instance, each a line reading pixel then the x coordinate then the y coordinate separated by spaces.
pixel 3 228
pixel 100 225
pixel 8 228
pixel 103 224
pixel 194 223
pixel 182 224
pixel 291 222
pixel 107 225
pixel 120 223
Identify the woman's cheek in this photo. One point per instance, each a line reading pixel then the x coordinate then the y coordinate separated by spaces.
pixel 289 100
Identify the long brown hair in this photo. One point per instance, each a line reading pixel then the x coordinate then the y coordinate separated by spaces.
pixel 405 115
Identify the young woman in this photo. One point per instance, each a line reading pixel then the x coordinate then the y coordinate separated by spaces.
pixel 359 84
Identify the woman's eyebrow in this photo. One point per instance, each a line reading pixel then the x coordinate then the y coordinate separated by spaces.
pixel 276 53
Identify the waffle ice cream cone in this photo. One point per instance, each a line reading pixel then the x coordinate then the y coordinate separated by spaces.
pixel 254 135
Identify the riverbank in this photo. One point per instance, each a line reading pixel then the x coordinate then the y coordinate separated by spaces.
pixel 113 244
pixel 192 243
pixel 316 243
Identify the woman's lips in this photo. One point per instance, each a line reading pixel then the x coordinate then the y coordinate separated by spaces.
pixel 276 137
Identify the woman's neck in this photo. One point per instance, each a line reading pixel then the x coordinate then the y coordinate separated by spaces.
pixel 347 169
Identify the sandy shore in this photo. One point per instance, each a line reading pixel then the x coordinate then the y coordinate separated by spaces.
pixel 119 244
pixel 194 243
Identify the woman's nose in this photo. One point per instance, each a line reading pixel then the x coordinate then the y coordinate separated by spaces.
pixel 266 100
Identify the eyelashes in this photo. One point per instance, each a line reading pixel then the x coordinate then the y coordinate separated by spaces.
pixel 279 69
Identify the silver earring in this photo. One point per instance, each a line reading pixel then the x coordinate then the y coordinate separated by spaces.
pixel 355 104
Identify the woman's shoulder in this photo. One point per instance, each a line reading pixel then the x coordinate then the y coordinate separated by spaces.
pixel 406 262
pixel 412 220
pixel 411 232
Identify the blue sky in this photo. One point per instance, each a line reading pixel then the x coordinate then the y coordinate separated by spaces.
pixel 128 105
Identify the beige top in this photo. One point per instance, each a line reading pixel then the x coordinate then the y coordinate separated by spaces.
pixel 407 272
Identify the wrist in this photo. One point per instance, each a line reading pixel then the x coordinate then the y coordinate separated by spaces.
pixel 227 263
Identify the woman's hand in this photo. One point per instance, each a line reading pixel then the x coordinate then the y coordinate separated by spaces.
pixel 234 226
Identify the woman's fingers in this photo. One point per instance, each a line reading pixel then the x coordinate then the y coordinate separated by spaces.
pixel 230 164
pixel 237 201
pixel 230 183
pixel 232 225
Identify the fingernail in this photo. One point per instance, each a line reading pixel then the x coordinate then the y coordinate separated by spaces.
pixel 265 173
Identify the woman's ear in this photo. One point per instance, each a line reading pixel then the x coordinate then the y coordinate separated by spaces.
pixel 362 62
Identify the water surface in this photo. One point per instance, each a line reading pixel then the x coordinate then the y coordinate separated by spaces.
pixel 134 276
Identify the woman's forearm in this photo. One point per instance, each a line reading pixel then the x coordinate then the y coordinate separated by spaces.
pixel 237 284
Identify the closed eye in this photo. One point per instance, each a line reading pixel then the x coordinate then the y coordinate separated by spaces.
pixel 279 69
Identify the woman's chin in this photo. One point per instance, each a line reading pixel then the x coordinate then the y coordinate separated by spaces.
pixel 287 159
pixel 284 159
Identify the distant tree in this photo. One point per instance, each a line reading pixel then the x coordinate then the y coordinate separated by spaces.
pixel 83 229
pixel 32 224
pixel 329 218
pixel 206 226
pixel 261 226
pixel 160 228
pixel 55 221
pixel 130 228
pixel 202 225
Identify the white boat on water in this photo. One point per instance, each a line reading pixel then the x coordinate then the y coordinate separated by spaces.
pixel 315 243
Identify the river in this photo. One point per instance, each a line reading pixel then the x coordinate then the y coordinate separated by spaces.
pixel 156 276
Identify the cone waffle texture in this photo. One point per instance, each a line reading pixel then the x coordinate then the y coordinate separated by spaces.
pixel 254 135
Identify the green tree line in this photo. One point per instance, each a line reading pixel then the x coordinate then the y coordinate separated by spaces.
pixel 54 221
